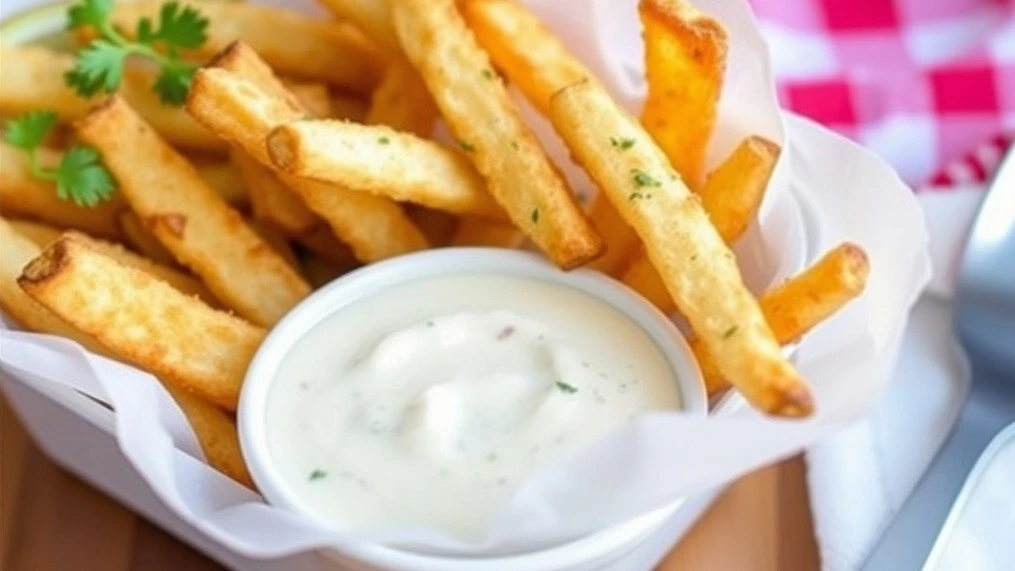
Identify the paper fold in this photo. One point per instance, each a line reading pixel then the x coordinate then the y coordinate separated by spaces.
pixel 827 190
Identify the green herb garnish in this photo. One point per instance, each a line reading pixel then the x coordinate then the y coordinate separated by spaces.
pixel 99 65
pixel 466 146
pixel 729 332
pixel 535 216
pixel 384 140
pixel 566 388
pixel 487 74
pixel 638 195
pixel 80 177
pixel 641 178
pixel 622 143
pixel 317 474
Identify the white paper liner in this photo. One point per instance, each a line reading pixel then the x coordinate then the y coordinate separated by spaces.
pixel 826 190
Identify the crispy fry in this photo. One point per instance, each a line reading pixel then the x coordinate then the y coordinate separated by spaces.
pixel 141 240
pixel 523 48
pixel 437 225
pixel 484 120
pixel 278 242
pixel 731 197
pixel 190 219
pixel 144 321
pixel 40 234
pixel 185 283
pixel 23 195
pixel 620 238
pixel 802 302
pixel 402 102
pixel 371 16
pixel 237 109
pixel 314 97
pixel 16 251
pixel 32 79
pixel 225 179
pixel 487 233
pixel 270 200
pixel 293 43
pixel 216 433
pixel 699 270
pixel 685 60
pixel 383 162
pixel 348 107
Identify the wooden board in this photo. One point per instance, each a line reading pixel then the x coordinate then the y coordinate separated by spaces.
pixel 51 521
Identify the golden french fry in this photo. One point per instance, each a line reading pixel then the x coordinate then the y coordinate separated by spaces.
pixel 620 238
pixel 733 192
pixel 478 110
pixel 293 43
pixel 16 251
pixel 32 79
pixel 401 101
pixel 270 200
pixel 216 433
pixel 141 240
pixel 348 107
pixel 699 270
pixel 144 321
pixel 189 218
pixel 225 179
pixel 240 111
pixel 641 276
pixel 278 242
pixel 40 234
pixel 24 196
pixel 371 16
pixel 685 60
pixel 438 226
pixel 523 48
pixel 314 97
pixel 481 232
pixel 381 161
pixel 802 302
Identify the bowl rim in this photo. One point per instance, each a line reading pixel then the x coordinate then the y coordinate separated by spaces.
pixel 370 280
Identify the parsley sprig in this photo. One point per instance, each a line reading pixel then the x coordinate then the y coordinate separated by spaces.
pixel 80 176
pixel 99 65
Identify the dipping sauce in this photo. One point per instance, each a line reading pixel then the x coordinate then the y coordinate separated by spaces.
pixel 427 403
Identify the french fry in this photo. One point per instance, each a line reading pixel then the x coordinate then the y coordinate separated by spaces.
pixel 438 226
pixel 190 219
pixel 25 196
pixel 141 240
pixel 401 101
pixel 16 251
pixel 699 270
pixel 482 117
pixel 314 97
pixel 731 197
pixel 381 161
pixel 225 179
pixel 293 43
pixel 270 200
pixel 183 282
pixel 348 107
pixel 40 234
pixel 481 232
pixel 237 109
pixel 801 303
pixel 523 49
pixel 324 244
pixel 216 433
pixel 685 60
pixel 371 16
pixel 620 238
pixel 276 240
pixel 144 320
pixel 32 79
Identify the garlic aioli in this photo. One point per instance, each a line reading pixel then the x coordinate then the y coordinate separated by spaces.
pixel 428 402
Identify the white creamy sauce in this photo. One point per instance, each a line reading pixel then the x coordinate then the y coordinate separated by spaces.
pixel 429 402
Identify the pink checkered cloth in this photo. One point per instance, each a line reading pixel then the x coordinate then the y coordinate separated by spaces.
pixel 927 84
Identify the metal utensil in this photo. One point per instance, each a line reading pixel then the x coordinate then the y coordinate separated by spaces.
pixel 984 319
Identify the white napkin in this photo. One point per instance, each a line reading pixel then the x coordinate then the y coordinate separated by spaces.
pixel 860 477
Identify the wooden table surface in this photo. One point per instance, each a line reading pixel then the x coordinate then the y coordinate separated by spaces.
pixel 51 521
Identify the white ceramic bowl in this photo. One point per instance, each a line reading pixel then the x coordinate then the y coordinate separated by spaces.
pixel 365 282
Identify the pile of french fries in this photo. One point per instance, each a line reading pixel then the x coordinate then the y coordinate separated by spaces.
pixel 304 150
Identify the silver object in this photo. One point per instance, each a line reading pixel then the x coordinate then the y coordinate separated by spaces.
pixel 984 319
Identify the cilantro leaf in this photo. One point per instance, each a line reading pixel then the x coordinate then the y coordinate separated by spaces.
pixel 179 28
pixel 173 84
pixel 81 178
pixel 89 13
pixel 30 130
pixel 99 67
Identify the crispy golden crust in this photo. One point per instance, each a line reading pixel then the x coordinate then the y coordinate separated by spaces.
pixel 401 101
pixel 482 117
pixel 734 191
pixel 143 320
pixel 685 61
pixel 190 219
pixel 699 270
pixel 137 235
pixel 271 201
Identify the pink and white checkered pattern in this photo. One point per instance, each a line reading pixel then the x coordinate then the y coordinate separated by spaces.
pixel 928 84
